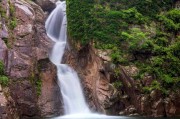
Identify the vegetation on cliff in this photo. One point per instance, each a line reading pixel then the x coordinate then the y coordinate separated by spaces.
pixel 141 33
pixel 3 78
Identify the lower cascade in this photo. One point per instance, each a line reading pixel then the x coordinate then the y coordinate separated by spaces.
pixel 73 98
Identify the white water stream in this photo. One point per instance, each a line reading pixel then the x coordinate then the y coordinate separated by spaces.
pixel 74 101
pixel 73 98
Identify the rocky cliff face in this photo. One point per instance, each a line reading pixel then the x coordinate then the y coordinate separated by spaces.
pixel 98 78
pixel 24 49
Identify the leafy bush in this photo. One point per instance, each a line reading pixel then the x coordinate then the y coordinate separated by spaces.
pixel 170 20
pixel 1 68
pixel 3 79
pixel 13 23
pixel 155 85
pixel 137 40
pixel 117 84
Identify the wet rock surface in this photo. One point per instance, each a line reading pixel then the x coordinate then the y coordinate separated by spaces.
pixel 23 58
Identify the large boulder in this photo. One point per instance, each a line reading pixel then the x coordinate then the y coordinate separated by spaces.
pixel 46 5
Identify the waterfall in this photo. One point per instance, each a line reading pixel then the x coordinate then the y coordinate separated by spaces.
pixel 68 81
pixel 56 27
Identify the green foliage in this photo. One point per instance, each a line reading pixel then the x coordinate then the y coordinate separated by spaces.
pixel 117 84
pixel 170 20
pixel 3 79
pixel 137 40
pixel 92 21
pixel 174 15
pixel 154 86
pixel 122 26
pixel 13 20
pixel 2 11
pixel 152 7
pixel 36 82
pixel 38 86
pixel 1 68
pixel 13 23
pixel 11 9
pixel 80 19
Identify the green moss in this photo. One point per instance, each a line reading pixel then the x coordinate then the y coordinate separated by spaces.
pixel 2 12
pixel 13 19
pixel 154 86
pixel 117 84
pixel 3 79
pixel 38 84
pixel 13 23
pixel 11 9
pixel 1 68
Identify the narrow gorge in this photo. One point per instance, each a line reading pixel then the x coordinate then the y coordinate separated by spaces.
pixel 89 59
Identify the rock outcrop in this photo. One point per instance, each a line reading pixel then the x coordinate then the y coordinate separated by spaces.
pixel 3 104
pixel 98 76
pixel 46 5
pixel 100 94
pixel 26 59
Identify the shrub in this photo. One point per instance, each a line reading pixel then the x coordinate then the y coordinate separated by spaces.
pixel 4 80
pixel 117 84
pixel 1 68
pixel 13 23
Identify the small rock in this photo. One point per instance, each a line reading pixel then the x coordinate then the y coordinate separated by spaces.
pixel 3 100
pixel 121 113
pixel 131 70
pixel 135 114
pixel 125 97
pixel 132 110
pixel 153 94
pixel 104 55
pixel 3 30
pixel 46 5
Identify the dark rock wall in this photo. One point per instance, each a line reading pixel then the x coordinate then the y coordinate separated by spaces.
pixel 26 61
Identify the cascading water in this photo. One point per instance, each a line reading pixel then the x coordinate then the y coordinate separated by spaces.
pixel 74 102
